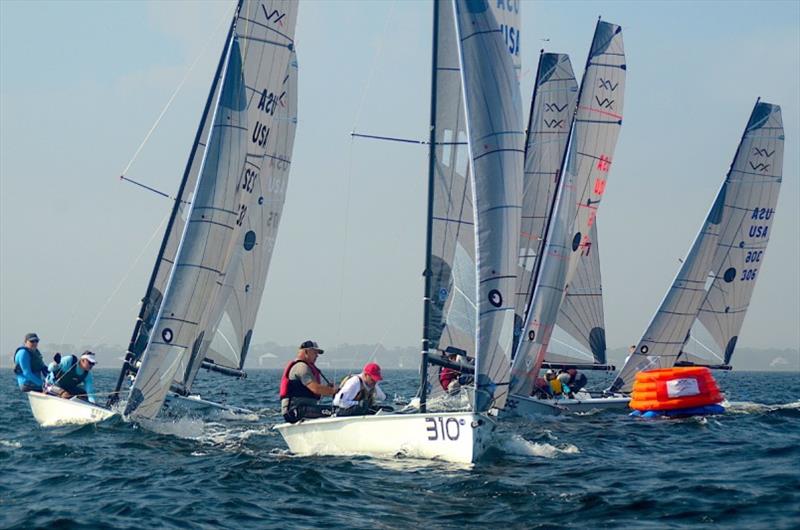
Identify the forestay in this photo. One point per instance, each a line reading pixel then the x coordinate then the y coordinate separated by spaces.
pixel 730 247
pixel 496 146
pixel 256 67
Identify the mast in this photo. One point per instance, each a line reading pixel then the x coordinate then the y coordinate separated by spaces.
pixel 130 356
pixel 429 224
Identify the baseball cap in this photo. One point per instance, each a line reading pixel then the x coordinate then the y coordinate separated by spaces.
pixel 31 337
pixel 311 345
pixel 373 370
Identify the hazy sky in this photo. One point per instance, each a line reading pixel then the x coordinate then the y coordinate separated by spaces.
pixel 78 96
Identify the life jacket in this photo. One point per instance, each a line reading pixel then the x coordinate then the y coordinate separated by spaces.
pixel 556 387
pixel 447 376
pixel 364 393
pixel 294 388
pixel 70 379
pixel 37 363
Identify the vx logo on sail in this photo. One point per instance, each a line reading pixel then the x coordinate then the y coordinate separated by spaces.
pixel 275 13
pixel 608 85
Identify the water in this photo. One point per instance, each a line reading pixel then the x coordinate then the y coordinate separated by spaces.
pixel 592 471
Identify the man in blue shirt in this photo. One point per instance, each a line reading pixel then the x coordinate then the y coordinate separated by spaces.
pixel 68 376
pixel 29 366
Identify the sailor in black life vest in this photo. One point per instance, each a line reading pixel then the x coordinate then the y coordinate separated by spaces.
pixel 360 393
pixel 29 366
pixel 71 376
pixel 302 388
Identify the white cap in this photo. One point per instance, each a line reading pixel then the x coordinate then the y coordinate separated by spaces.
pixel 89 357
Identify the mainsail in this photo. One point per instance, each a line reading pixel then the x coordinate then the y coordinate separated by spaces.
pixel 450 307
pixel 244 284
pixel 549 124
pixel 496 146
pixel 568 242
pixel 240 135
pixel 730 247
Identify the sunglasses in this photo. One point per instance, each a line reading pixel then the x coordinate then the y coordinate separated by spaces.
pixel 35 341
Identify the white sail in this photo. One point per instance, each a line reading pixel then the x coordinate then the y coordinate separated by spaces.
pixel 750 200
pixel 735 231
pixel 496 145
pixel 240 135
pixel 247 273
pixel 552 109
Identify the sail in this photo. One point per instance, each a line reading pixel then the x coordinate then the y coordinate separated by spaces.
pixel 736 225
pixel 547 295
pixel 552 108
pixel 258 57
pixel 598 121
pixel 748 213
pixel 261 27
pixel 496 146
pixel 581 313
pixel 247 274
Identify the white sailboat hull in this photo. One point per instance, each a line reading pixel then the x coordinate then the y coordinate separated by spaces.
pixel 460 437
pixel 53 411
pixel 530 406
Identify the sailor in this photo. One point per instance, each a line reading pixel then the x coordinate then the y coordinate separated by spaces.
pixel 554 383
pixel 577 380
pixel 448 377
pixel 541 389
pixel 360 392
pixel 67 376
pixel 301 386
pixel 563 378
pixel 29 366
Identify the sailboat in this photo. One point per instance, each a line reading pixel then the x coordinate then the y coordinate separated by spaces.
pixel 475 178
pixel 212 264
pixel 561 283
pixel 714 284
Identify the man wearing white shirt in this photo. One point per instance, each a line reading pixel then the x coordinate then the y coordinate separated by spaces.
pixel 360 392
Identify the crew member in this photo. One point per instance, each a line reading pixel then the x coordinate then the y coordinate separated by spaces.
pixel 29 366
pixel 577 380
pixel 302 388
pixel 360 392
pixel 72 377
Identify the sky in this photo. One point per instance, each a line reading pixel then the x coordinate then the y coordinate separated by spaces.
pixel 77 98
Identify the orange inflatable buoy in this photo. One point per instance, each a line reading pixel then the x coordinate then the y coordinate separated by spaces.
pixel 674 388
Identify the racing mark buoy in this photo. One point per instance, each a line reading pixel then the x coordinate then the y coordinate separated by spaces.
pixel 680 391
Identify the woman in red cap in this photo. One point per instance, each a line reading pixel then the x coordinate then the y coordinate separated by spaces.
pixel 360 392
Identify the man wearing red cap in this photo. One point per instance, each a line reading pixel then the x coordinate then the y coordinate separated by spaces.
pixel 360 392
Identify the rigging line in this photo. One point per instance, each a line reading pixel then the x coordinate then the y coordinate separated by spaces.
pixel 344 242
pixel 156 232
pixel 211 38
pixel 709 350
pixel 375 57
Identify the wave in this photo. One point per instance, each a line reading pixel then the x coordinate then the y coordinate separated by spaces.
pixel 10 444
pixel 750 407
pixel 519 446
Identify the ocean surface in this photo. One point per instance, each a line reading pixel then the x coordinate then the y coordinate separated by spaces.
pixel 597 470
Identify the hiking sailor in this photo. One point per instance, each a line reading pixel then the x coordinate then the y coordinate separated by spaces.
pixel 67 376
pixel 302 388
pixel 360 392
pixel 29 366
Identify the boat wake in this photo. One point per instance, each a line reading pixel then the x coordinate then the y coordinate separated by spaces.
pixel 519 446
pixel 750 407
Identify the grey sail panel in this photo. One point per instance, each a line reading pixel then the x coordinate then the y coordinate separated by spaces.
pixel 247 275
pixel 552 108
pixel 496 145
pixel 200 257
pixel 581 313
pixel 265 30
pixel 240 135
pixel 749 210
